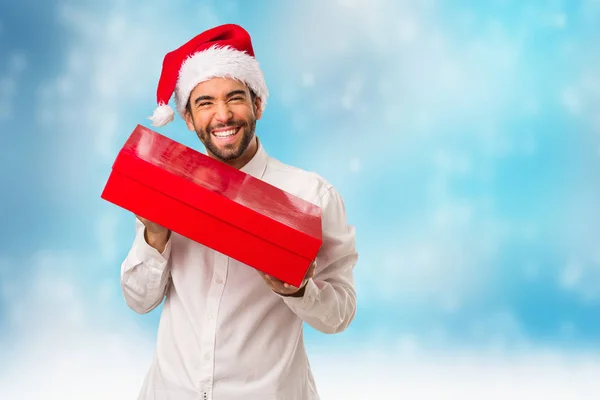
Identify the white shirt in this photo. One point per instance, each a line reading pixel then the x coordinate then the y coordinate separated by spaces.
pixel 223 333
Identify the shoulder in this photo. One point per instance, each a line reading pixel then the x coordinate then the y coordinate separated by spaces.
pixel 305 184
pixel 314 188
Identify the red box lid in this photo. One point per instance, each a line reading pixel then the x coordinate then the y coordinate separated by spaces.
pixel 222 191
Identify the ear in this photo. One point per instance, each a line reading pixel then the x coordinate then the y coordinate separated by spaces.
pixel 257 107
pixel 189 120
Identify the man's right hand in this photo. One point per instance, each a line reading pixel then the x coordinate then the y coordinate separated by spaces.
pixel 156 235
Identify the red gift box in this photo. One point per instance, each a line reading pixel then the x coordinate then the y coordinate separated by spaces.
pixel 216 205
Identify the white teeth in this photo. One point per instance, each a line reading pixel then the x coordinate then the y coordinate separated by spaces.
pixel 223 134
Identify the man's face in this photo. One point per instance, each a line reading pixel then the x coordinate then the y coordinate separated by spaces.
pixel 223 115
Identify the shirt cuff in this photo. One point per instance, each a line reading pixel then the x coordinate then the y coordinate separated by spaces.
pixel 149 255
pixel 305 302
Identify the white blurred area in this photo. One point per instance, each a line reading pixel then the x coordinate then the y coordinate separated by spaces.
pixel 101 365
pixel 475 376
pixel 67 345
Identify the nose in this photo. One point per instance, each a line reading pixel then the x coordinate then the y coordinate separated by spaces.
pixel 222 112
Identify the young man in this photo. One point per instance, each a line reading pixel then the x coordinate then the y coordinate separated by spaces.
pixel 227 331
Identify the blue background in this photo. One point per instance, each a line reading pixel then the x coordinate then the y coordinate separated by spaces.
pixel 463 136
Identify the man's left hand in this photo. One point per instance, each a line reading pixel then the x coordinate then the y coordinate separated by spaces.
pixel 286 289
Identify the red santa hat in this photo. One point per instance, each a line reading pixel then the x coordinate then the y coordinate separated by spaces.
pixel 224 51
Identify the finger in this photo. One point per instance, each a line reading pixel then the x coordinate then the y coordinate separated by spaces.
pixel 280 283
pixel 311 269
pixel 262 274
pixel 276 282
pixel 265 278
pixel 282 286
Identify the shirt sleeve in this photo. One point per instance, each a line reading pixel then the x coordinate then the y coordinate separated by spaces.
pixel 145 273
pixel 329 300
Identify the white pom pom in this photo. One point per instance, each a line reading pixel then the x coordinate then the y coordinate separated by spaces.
pixel 162 115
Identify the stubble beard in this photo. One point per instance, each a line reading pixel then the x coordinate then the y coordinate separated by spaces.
pixel 232 151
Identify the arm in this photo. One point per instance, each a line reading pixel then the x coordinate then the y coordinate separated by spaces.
pixel 145 272
pixel 328 300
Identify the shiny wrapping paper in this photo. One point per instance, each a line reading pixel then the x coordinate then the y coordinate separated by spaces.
pixel 216 205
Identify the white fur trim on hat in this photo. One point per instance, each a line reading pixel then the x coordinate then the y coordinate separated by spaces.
pixel 222 62
pixel 162 115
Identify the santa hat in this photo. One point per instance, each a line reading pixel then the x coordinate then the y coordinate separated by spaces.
pixel 224 51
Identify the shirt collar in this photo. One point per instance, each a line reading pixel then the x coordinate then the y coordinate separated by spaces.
pixel 257 165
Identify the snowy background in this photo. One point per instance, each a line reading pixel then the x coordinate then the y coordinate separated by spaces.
pixel 464 137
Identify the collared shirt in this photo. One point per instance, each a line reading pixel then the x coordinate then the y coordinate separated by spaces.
pixel 223 333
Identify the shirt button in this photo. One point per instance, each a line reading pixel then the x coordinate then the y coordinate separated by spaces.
pixel 210 316
pixel 219 281
pixel 207 356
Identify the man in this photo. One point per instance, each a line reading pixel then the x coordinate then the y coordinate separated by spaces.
pixel 228 331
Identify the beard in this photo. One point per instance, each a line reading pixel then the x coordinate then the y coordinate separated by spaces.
pixel 230 151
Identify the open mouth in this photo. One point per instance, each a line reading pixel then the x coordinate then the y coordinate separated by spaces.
pixel 226 134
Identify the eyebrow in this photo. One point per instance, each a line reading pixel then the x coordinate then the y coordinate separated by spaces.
pixel 230 94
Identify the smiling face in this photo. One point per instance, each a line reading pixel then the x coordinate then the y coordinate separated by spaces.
pixel 223 113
